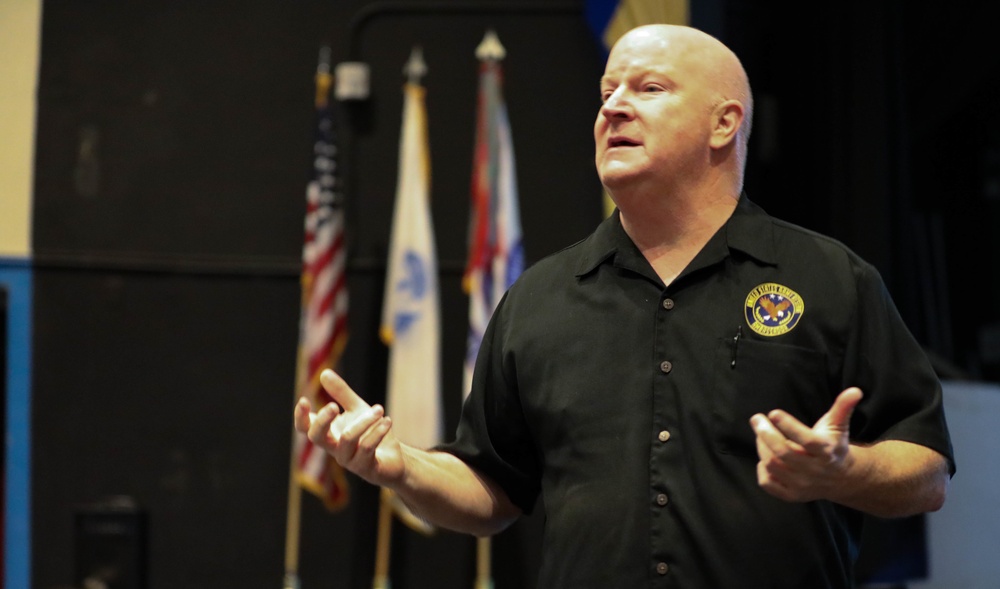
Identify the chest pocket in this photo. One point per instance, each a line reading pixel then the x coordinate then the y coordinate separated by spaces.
pixel 766 376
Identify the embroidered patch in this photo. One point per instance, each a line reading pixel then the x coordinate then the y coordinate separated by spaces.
pixel 773 309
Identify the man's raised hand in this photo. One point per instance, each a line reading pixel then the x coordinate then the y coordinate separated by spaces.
pixel 357 435
pixel 799 463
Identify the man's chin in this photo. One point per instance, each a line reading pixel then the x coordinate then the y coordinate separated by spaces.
pixel 616 176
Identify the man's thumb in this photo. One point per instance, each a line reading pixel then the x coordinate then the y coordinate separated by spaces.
pixel 839 415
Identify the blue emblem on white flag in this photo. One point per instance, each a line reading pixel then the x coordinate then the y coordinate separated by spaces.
pixel 410 291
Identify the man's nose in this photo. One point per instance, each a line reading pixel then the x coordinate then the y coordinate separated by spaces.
pixel 617 105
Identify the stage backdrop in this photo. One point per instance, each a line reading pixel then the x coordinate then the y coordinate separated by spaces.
pixel 174 144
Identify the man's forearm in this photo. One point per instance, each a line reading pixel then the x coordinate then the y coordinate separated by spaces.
pixel 894 479
pixel 446 492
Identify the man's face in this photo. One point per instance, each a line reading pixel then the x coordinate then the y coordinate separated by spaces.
pixel 654 122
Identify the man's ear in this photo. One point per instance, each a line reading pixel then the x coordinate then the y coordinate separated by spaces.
pixel 726 120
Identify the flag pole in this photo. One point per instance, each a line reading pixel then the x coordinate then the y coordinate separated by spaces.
pixel 293 527
pixel 383 543
pixel 293 524
pixel 489 49
pixel 484 575
pixel 414 70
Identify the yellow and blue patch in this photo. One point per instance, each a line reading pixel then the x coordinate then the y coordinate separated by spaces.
pixel 773 309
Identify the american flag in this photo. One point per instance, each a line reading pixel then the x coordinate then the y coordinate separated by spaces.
pixel 323 321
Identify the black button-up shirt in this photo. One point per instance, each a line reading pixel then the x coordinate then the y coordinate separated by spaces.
pixel 625 403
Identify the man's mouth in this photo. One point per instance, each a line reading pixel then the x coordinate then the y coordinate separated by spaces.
pixel 621 142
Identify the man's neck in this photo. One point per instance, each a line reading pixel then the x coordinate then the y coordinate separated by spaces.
pixel 670 230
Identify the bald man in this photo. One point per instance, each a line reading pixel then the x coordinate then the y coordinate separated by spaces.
pixel 702 396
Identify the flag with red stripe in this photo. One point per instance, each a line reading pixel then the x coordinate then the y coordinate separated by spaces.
pixel 323 319
pixel 496 253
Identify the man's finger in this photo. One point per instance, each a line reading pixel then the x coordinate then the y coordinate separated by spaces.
pixel 302 410
pixel 340 391
pixel 766 432
pixel 790 427
pixel 839 415
pixel 772 437
pixel 373 437
pixel 319 425
pixel 353 432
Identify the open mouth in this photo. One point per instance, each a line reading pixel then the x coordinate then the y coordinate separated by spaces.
pixel 621 142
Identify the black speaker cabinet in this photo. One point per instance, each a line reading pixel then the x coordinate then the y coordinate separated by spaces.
pixel 110 545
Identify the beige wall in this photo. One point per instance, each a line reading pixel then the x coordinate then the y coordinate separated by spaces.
pixel 20 22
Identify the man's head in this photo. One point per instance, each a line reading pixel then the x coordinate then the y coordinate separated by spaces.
pixel 677 110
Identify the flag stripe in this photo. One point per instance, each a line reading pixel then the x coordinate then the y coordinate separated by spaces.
pixel 323 323
pixel 496 255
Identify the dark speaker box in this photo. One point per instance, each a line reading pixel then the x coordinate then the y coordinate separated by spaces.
pixel 110 546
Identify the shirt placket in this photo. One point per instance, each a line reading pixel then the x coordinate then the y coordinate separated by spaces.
pixel 663 436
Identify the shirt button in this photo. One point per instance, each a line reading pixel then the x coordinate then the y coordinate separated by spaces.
pixel 668 304
pixel 666 366
pixel 662 568
pixel 661 499
pixel 664 436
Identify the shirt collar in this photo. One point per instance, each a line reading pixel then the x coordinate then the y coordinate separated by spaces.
pixel 749 230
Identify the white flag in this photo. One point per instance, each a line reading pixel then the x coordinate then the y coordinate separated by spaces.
pixel 410 313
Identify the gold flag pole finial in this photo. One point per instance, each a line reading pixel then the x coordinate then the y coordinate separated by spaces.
pixel 416 67
pixel 490 48
pixel 324 79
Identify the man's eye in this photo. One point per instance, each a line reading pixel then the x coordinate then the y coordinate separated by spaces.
pixel 653 88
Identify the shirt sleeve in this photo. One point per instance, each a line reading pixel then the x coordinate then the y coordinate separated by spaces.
pixel 493 437
pixel 903 395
